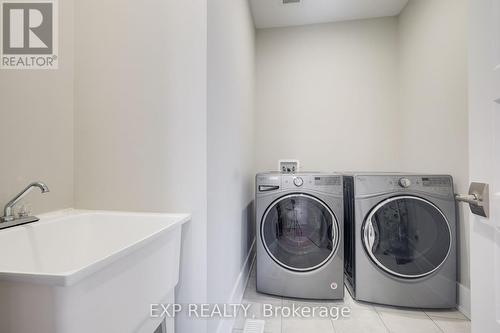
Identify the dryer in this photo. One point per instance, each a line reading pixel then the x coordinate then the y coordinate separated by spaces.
pixel 299 235
pixel 400 239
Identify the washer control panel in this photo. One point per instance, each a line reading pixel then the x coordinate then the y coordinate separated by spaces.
pixel 270 183
pixel 328 183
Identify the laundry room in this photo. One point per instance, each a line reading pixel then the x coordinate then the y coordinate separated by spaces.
pixel 249 166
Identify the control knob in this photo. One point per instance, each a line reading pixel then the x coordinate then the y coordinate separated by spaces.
pixel 298 181
pixel 404 182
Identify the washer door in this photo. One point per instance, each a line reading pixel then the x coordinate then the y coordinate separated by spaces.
pixel 300 232
pixel 407 236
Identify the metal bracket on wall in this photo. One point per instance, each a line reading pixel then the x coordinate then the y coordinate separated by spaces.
pixel 478 199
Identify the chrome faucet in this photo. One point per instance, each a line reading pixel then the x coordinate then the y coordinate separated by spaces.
pixel 9 217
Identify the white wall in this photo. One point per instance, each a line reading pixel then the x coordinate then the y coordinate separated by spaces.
pixel 36 127
pixel 140 100
pixel 326 96
pixel 433 101
pixel 231 154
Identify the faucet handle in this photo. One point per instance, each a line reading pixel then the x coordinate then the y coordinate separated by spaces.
pixel 24 211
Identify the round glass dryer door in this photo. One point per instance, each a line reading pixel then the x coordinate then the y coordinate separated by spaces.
pixel 300 232
pixel 407 236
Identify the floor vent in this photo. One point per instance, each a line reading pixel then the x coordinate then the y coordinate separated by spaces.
pixel 254 326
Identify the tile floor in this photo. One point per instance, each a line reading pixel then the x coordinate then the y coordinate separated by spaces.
pixel 363 318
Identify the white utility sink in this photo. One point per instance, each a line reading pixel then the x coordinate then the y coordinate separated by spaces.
pixel 80 271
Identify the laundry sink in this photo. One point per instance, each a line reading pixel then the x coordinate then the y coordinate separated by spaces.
pixel 80 271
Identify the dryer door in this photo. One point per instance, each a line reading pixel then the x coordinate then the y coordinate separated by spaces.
pixel 407 236
pixel 300 232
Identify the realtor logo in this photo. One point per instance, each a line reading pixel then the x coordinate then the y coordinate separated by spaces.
pixel 28 34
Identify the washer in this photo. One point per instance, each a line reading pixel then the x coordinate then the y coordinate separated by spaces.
pixel 299 235
pixel 400 239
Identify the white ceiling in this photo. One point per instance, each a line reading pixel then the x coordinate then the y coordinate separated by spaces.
pixel 273 13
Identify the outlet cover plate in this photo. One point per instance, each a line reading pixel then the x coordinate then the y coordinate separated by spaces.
pixel 289 166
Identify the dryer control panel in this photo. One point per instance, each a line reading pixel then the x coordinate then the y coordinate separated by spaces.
pixel 441 185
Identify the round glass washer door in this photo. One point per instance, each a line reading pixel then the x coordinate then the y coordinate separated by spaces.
pixel 407 236
pixel 300 232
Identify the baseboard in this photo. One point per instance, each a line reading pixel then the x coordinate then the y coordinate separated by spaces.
pixel 226 324
pixel 463 300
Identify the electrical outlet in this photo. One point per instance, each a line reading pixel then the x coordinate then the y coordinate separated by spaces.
pixel 289 166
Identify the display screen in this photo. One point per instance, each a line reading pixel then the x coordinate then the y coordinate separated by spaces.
pixel 436 181
pixel 326 181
